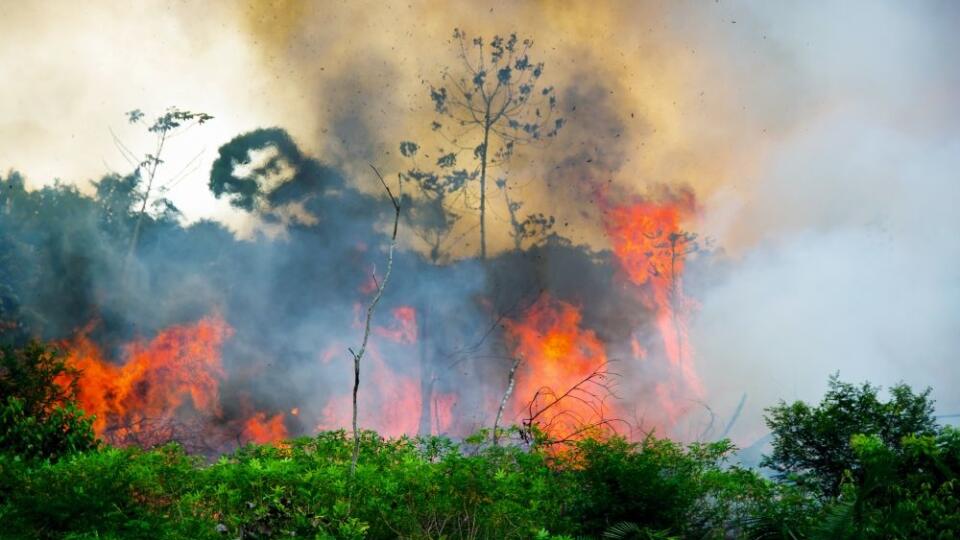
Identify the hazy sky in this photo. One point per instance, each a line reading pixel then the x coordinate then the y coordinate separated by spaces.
pixel 822 138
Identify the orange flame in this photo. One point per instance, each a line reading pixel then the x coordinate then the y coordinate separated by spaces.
pixel 391 399
pixel 557 357
pixel 178 368
pixel 652 249
pixel 261 430
pixel 404 327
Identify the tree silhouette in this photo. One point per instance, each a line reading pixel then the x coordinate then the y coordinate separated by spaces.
pixel 487 108
pixel 534 227
pixel 163 127
pixel 431 216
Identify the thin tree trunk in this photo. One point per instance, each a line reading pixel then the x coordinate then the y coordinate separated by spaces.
pixel 483 185
pixel 511 381
pixel 135 237
pixel 736 415
pixel 357 356
pixel 675 300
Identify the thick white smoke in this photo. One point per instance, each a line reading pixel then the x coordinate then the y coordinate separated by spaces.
pixel 847 235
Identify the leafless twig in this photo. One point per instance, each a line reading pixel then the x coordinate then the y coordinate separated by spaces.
pixel 381 285
pixel 591 393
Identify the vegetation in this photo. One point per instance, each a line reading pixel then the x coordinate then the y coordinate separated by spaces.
pixel 853 466
pixel 164 127
pixel 38 416
pixel 57 482
pixel 488 107
pixel 815 444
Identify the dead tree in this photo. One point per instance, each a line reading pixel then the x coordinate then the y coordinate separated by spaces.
pixel 380 286
pixel 534 227
pixel 511 382
pixel 488 107
pixel 680 244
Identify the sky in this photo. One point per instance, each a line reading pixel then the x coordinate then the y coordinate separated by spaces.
pixel 822 140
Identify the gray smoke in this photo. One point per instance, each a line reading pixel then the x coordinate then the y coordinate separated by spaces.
pixel 847 247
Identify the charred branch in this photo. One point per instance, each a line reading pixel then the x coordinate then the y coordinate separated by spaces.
pixel 380 287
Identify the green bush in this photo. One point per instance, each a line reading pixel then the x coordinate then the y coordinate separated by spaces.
pixel 655 483
pixel 52 487
pixel 38 416
pixel 911 493
pixel 812 445
pixel 407 488
pixel 420 488
pixel 126 493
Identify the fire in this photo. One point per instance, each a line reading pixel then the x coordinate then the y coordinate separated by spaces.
pixel 558 357
pixel 391 398
pixel 652 249
pixel 261 430
pixel 442 412
pixel 179 368
pixel 404 327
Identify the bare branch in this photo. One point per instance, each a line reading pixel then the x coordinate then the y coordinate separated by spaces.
pixel 511 381
pixel 358 355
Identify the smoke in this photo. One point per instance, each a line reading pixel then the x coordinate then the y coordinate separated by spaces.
pixel 860 279
pixel 843 233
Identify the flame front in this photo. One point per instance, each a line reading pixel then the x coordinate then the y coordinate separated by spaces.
pixel 391 398
pixel 178 369
pixel 261 429
pixel 652 249
pixel 560 382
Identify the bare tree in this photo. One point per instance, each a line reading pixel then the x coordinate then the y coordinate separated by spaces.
pixel 681 244
pixel 671 250
pixel 432 216
pixel 488 107
pixel 380 287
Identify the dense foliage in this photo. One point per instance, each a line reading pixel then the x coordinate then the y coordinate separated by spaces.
pixel 57 482
pixel 411 488
pixel 38 415
pixel 814 444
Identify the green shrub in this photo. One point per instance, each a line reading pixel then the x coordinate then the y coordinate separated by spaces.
pixel 38 416
pixel 126 493
pixel 432 487
pixel 911 493
pixel 811 445
pixel 420 488
pixel 657 485
pixel 408 488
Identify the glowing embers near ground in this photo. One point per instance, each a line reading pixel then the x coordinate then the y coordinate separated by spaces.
pixel 561 384
pixel 652 249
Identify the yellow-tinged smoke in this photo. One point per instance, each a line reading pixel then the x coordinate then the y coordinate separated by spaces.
pixel 642 103
pixel 677 93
